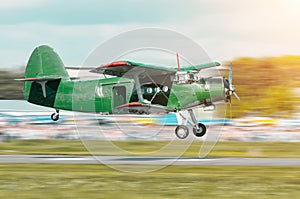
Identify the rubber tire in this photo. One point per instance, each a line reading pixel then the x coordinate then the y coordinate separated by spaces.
pixel 55 116
pixel 201 132
pixel 182 127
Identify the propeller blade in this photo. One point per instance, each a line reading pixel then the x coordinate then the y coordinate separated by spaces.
pixel 230 74
pixel 230 102
pixel 231 89
pixel 226 84
pixel 236 96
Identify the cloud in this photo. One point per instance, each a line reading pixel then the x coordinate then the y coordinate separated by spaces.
pixel 226 29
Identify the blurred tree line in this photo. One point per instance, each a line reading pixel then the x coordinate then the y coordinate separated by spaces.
pixel 10 88
pixel 266 86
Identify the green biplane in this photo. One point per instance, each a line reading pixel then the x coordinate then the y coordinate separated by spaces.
pixel 125 87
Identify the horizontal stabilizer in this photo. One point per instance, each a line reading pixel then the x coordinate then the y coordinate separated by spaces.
pixel 79 67
pixel 43 79
pixel 37 79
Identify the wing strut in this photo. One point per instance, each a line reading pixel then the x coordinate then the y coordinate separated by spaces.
pixel 138 89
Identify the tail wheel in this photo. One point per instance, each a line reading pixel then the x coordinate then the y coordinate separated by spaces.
pixel 181 131
pixel 55 116
pixel 200 131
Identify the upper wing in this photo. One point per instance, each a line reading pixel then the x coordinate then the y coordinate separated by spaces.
pixel 200 66
pixel 119 68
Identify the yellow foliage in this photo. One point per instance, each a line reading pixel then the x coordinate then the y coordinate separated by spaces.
pixel 266 85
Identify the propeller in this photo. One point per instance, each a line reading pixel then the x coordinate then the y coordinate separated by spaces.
pixel 230 88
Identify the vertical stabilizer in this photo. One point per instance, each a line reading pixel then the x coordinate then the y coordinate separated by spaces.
pixel 43 74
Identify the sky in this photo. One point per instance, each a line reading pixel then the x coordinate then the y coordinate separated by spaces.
pixel 226 29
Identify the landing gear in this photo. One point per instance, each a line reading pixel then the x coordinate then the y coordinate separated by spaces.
pixel 55 116
pixel 200 131
pixel 182 131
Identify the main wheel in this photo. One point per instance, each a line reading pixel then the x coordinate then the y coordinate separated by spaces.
pixel 181 131
pixel 55 116
pixel 200 131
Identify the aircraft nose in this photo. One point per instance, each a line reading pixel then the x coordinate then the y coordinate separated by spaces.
pixel 215 87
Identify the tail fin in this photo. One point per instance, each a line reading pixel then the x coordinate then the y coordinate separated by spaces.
pixel 44 62
pixel 43 73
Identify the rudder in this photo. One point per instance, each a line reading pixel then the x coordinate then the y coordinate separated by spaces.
pixel 44 62
pixel 43 74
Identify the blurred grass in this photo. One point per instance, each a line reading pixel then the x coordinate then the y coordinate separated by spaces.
pixel 97 181
pixel 221 149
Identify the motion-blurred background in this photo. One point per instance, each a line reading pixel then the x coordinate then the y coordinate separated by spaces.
pixel 259 37
pixel 269 89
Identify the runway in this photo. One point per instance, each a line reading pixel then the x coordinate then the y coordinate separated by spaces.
pixel 147 160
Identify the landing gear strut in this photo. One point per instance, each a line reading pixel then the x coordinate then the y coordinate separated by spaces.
pixel 182 131
pixel 55 116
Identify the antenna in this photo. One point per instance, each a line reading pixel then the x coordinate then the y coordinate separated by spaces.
pixel 178 64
